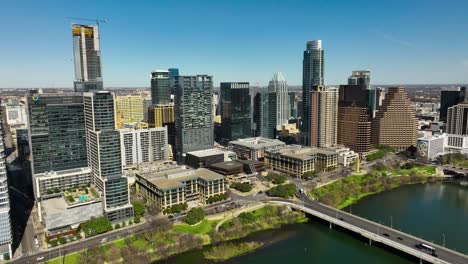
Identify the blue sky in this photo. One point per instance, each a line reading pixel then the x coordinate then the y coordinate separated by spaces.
pixel 400 41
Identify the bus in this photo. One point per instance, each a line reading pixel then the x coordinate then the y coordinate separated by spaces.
pixel 427 248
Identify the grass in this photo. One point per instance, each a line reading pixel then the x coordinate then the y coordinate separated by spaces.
pixel 202 228
pixel 140 243
pixel 120 243
pixel 68 259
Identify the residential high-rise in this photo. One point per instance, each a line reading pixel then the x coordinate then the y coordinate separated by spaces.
pixel 193 113
pixel 292 104
pixel 450 97
pixel 257 114
pixel 354 117
pixel 160 87
pixel 323 117
pixel 87 56
pixel 173 73
pixel 457 119
pixel 162 116
pixel 395 123
pixel 129 108
pixel 235 110
pixel 104 155
pixel 279 88
pixel 143 145
pixel 312 76
pixel 5 221
pixel 360 78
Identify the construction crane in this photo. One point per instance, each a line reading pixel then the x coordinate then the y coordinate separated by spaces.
pixel 89 19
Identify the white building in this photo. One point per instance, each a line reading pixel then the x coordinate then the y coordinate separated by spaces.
pixel 143 145
pixel 16 115
pixel 346 156
pixel 429 147
pixel 456 144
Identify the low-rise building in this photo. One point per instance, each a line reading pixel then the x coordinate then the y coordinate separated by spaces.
pixel 169 184
pixel 204 158
pixel 346 156
pixel 62 180
pixel 429 147
pixel 296 160
pixel 254 148
pixel 456 144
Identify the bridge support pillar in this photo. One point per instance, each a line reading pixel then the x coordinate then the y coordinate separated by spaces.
pixel 370 241
pixel 420 261
pixel 330 225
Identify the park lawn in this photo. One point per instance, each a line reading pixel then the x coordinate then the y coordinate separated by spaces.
pixel 68 259
pixel 120 243
pixel 202 228
pixel 140 243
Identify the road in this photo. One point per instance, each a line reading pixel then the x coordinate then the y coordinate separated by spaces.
pixel 22 228
pixel 384 232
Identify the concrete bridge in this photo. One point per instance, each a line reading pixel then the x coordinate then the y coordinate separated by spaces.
pixel 376 232
pixel 456 169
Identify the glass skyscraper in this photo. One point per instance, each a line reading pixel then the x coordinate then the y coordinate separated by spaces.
pixel 160 87
pixel 448 98
pixel 104 151
pixel 5 220
pixel 312 76
pixel 279 87
pixel 235 110
pixel 87 57
pixel 193 113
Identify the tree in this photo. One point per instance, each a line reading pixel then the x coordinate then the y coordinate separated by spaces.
pixel 276 178
pixel 97 226
pixel 62 240
pixel 242 187
pixel 139 208
pixel 136 219
pixel 247 217
pixel 379 166
pixel 284 191
pixel 194 216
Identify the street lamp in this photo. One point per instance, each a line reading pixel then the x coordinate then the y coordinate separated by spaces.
pixel 443 243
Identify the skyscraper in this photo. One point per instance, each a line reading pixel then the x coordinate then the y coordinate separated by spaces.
pixel 129 108
pixel 5 220
pixel 87 56
pixel 193 113
pixel 173 73
pixel 160 87
pixel 235 110
pixel 450 97
pixel 257 114
pixel 323 117
pixel 279 88
pixel 104 154
pixel 457 119
pixel 312 76
pixel 360 78
pixel 395 123
pixel 354 117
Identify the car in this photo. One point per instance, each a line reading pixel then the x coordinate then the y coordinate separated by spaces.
pixel 170 216
pixel 341 218
pixel 399 238
pixel 40 258
pixel 386 234
pixel 104 240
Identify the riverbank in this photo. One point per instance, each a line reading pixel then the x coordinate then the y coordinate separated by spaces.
pixel 230 250
pixel 347 191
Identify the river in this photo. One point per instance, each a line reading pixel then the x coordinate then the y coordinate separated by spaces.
pixel 429 211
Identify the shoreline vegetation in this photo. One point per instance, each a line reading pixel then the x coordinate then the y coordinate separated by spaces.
pixel 349 190
pixel 230 250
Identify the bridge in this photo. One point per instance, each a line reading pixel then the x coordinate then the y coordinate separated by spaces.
pixel 456 169
pixel 375 232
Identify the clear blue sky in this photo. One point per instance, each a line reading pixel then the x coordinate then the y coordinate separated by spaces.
pixel 400 41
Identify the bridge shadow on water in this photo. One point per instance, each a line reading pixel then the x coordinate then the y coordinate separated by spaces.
pixel 364 239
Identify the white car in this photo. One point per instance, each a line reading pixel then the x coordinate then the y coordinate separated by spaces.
pixel 104 240
pixel 40 258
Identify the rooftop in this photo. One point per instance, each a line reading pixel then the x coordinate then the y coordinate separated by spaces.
pixel 58 215
pixel 206 152
pixel 173 177
pixel 303 153
pixel 257 142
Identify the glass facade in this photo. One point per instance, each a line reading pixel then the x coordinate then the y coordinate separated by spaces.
pixel 57 131
pixel 235 111
pixel 449 98
pixel 5 221
pixel 160 87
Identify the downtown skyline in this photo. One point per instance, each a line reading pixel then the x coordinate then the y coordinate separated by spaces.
pixel 399 42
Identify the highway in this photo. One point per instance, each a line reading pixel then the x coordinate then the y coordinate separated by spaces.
pixel 376 232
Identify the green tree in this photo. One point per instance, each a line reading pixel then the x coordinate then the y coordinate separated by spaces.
pixel 242 187
pixel 97 226
pixel 62 240
pixel 284 190
pixel 139 208
pixel 194 216
pixel 247 217
pixel 136 219
pixel 276 178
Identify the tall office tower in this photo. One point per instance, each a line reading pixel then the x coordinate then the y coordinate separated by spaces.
pixel 160 87
pixel 162 116
pixel 292 104
pixel 5 222
pixel 235 110
pixel 450 97
pixel 457 119
pixel 354 117
pixel 87 55
pixel 395 124
pixel 104 155
pixel 279 88
pixel 323 117
pixel 143 145
pixel 193 113
pixel 173 73
pixel 312 76
pixel 57 135
pixel 257 114
pixel 129 108
pixel 360 78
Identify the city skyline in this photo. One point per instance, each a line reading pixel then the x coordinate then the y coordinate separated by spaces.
pixel 398 46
